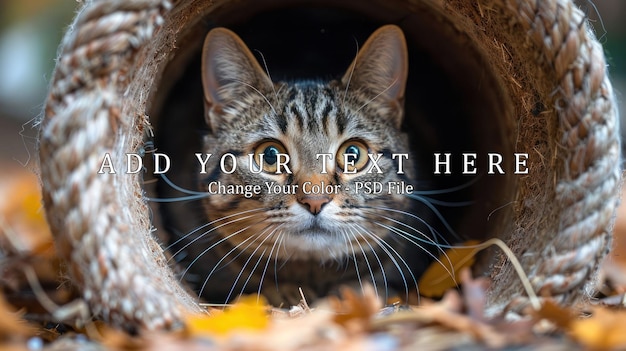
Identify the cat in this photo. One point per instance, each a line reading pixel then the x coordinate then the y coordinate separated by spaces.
pixel 273 243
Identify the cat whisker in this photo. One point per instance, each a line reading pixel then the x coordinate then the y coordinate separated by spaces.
pixel 251 255
pixel 367 262
pixel 409 237
pixel 193 195
pixel 449 190
pixel 280 88
pixel 194 231
pixel 424 238
pixel 347 236
pixel 177 199
pixel 267 263
pixel 233 249
pixel 352 67
pixel 222 240
pixel 214 228
pixel 260 93
pixel 274 250
pixel 267 71
pixel 412 238
pixel 181 189
pixel 440 202
pixel 376 257
pixel 437 213
pixel 391 251
pixel 377 95
pixel 421 196
pixel 240 252
pixel 243 288
pixel 281 238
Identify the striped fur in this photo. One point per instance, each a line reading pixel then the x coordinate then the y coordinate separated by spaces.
pixel 274 243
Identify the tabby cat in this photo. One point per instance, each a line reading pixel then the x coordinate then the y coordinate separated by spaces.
pixel 274 242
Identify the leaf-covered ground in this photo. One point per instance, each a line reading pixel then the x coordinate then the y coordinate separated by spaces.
pixel 40 310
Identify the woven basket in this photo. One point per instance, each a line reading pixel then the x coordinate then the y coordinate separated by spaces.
pixel 543 91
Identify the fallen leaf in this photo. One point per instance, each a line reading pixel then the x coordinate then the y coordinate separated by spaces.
pixel 354 311
pixel 249 313
pixel 474 294
pixel 562 317
pixel 448 313
pixel 21 212
pixel 115 339
pixel 443 274
pixel 604 330
pixel 11 324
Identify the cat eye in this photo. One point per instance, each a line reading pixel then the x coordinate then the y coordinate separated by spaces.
pixel 269 151
pixel 352 156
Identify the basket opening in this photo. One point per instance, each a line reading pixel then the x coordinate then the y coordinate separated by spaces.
pixel 455 101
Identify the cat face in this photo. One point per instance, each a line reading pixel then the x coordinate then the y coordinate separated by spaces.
pixel 334 135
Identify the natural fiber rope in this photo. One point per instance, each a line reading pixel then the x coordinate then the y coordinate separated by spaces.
pixel 588 147
pixel 101 222
pixel 113 259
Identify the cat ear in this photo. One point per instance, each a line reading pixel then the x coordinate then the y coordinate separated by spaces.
pixel 381 66
pixel 229 71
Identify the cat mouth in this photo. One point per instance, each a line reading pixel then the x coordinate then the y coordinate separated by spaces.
pixel 315 229
pixel 316 243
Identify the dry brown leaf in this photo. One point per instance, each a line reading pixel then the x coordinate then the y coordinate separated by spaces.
pixel 474 294
pixel 443 275
pixel 13 347
pixel 465 315
pixel 315 328
pixel 118 340
pixel 604 330
pixel 448 314
pixel 11 324
pixel 24 232
pixel 475 298
pixel 27 243
pixel 562 317
pixel 354 311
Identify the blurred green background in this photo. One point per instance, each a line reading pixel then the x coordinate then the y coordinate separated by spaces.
pixel 30 31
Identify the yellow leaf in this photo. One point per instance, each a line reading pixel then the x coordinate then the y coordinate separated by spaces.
pixel 11 323
pixel 443 275
pixel 249 313
pixel 560 316
pixel 21 212
pixel 602 331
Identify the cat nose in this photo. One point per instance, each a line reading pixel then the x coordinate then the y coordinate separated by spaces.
pixel 314 203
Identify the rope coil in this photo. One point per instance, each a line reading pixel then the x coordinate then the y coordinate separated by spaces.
pixel 588 184
pixel 110 60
